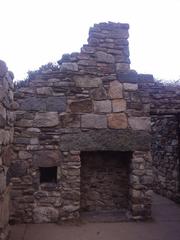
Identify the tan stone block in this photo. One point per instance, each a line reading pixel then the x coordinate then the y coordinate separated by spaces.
pixel 140 123
pixel 47 119
pixel 81 106
pixel 102 106
pixel 118 105
pixel 115 90
pixel 117 121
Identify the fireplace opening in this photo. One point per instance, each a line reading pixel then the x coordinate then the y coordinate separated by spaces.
pixel 104 181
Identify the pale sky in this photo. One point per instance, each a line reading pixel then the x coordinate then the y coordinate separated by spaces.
pixel 35 32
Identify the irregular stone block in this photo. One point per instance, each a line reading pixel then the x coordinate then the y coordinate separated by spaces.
pixel 82 106
pixel 69 66
pixel 93 121
pixel 87 81
pixel 56 104
pixel 47 158
pixel 70 120
pixel 102 106
pixel 17 169
pixel 99 93
pixel 112 140
pixel 45 214
pixel 130 86
pixel 117 121
pixel 47 119
pixel 2 180
pixel 32 104
pixel 122 67
pixel 44 91
pixel 115 90
pixel 3 68
pixel 139 123
pixel 118 105
pixel 4 209
pixel 24 155
pixel 104 57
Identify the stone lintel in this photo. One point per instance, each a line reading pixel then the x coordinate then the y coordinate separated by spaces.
pixel 106 140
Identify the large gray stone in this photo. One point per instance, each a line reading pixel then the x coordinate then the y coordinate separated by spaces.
pixel 87 81
pixel 45 214
pixel 93 121
pixel 103 106
pixel 140 123
pixel 32 104
pixel 104 57
pixel 106 139
pixel 56 104
pixel 68 66
pixel 47 119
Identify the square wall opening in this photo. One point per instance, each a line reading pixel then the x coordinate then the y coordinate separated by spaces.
pixel 104 180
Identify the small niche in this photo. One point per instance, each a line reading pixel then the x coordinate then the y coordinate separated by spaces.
pixel 48 174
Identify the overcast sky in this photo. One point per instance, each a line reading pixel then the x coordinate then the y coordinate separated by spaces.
pixel 35 32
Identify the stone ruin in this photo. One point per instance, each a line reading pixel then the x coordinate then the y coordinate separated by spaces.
pixel 78 139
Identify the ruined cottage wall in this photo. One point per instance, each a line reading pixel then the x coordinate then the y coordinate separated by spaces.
pixel 6 139
pixel 92 103
pixel 165 121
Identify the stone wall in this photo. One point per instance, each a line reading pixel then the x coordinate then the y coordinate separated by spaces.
pixel 165 152
pixel 92 102
pixel 165 121
pixel 6 139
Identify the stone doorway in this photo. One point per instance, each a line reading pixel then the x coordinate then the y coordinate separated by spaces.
pixel 105 182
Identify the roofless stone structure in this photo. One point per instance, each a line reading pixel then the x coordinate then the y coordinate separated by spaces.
pixel 82 136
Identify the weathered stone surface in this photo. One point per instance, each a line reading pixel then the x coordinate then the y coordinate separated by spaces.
pixel 4 211
pixel 118 105
pixel 99 93
pixel 82 106
pixel 45 214
pixel 93 121
pixel 44 91
pixel 140 123
pixel 130 86
pixel 17 169
pixel 115 90
pixel 102 106
pixel 47 119
pixel 70 120
pixel 32 104
pixel 122 67
pixel 8 155
pixel 87 81
pixel 56 104
pixel 47 158
pixel 3 68
pixel 69 66
pixel 117 121
pixel 24 155
pixel 113 140
pixel 104 57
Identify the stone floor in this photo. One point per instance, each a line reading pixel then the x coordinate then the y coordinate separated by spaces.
pixel 165 226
